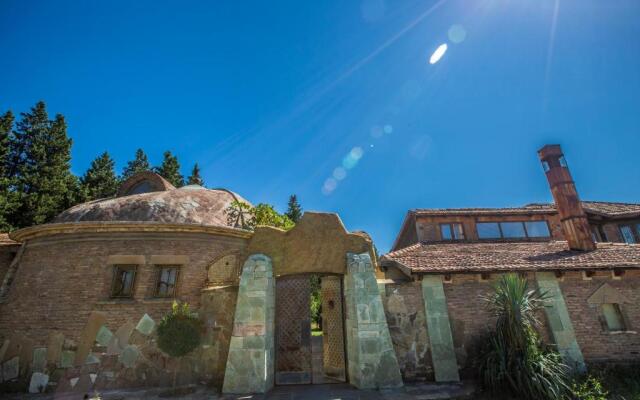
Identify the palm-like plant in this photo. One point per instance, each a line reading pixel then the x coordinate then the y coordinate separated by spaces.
pixel 516 359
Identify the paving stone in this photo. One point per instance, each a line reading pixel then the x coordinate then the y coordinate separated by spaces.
pixel 54 346
pixel 11 369
pixel 129 356
pixel 146 325
pixel 104 335
pixel 66 358
pixel 87 339
pixel 92 358
pixel 38 382
pixel 39 361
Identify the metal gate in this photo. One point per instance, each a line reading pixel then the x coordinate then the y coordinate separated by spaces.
pixel 333 328
pixel 293 330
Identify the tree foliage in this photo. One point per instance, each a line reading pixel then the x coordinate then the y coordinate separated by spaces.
pixel 100 180
pixel 170 169
pixel 515 359
pixel 294 210
pixel 139 164
pixel 242 215
pixel 40 155
pixel 195 178
pixel 179 331
pixel 7 200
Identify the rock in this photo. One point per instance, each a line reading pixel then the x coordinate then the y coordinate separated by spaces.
pixel 38 382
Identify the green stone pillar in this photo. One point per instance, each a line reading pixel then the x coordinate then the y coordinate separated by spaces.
pixel 371 358
pixel 251 352
pixel 560 322
pixel 443 355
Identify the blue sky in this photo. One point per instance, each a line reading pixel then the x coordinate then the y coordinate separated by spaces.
pixel 271 97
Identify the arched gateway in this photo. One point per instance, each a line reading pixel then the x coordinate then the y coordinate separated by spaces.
pixel 270 342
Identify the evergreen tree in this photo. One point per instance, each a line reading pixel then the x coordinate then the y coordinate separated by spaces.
pixel 170 169
pixel 100 180
pixel 6 197
pixel 139 164
pixel 40 160
pixel 195 178
pixel 294 210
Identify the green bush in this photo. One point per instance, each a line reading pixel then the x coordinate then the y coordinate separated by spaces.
pixel 179 331
pixel 515 360
pixel 589 388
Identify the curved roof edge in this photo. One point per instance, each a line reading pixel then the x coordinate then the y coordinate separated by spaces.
pixel 38 231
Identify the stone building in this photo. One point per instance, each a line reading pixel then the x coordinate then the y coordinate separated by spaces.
pixel 583 253
pixel 80 297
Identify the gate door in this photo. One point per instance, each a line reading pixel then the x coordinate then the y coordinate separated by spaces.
pixel 293 330
pixel 332 328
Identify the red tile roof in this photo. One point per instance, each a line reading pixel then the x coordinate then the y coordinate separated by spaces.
pixel 522 256
pixel 605 208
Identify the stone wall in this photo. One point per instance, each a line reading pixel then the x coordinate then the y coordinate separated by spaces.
pixel 597 344
pixel 7 253
pixel 59 305
pixel 404 310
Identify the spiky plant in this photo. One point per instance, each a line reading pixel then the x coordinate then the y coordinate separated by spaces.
pixel 516 360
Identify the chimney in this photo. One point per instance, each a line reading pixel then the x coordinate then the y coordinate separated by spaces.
pixel 574 220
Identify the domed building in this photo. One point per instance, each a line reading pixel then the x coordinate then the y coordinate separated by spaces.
pixel 82 295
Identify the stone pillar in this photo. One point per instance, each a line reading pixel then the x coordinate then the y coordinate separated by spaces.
pixel 371 358
pixel 250 361
pixel 559 321
pixel 443 355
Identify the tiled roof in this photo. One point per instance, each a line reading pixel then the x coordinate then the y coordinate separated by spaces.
pixel 538 209
pixel 605 208
pixel 524 256
pixel 4 240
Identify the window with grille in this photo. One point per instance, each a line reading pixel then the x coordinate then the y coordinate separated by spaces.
pixel 123 280
pixel 166 282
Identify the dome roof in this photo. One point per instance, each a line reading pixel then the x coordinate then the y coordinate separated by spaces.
pixel 191 204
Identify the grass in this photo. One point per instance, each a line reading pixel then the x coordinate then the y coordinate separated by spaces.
pixel 316 332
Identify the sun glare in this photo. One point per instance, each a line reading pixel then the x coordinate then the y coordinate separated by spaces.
pixel 437 55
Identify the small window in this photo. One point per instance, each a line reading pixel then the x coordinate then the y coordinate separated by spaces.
pixel 123 280
pixel 613 317
pixel 562 161
pixel 512 230
pixel 488 230
pixel 545 166
pixel 537 229
pixel 451 232
pixel 627 234
pixel 166 284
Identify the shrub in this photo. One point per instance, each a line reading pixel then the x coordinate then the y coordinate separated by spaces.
pixel 515 359
pixel 589 388
pixel 179 332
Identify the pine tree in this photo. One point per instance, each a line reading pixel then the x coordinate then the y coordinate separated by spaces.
pixel 195 178
pixel 6 197
pixel 100 180
pixel 294 210
pixel 139 164
pixel 40 160
pixel 170 169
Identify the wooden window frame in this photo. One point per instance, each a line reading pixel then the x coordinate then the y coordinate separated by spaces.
pixel 623 318
pixel 524 227
pixel 124 267
pixel 156 288
pixel 451 224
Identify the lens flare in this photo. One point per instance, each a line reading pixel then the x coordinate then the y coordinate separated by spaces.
pixel 437 55
pixel 457 33
pixel 339 173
